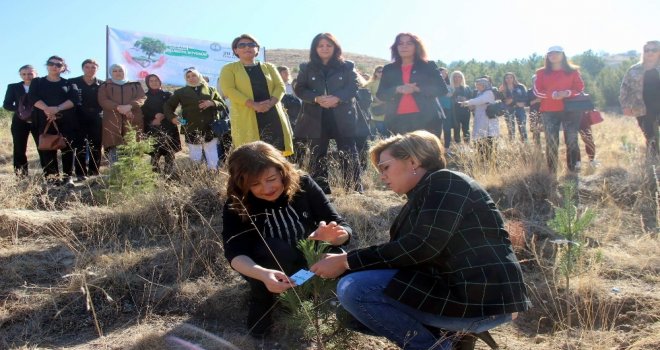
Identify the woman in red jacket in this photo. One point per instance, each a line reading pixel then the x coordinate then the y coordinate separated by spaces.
pixel 555 82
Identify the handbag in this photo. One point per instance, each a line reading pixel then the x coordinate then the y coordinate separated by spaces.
pixel 578 103
pixel 594 116
pixel 24 109
pixel 51 142
pixel 495 109
pixel 220 126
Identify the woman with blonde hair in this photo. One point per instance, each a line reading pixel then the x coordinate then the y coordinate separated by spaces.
pixel 461 92
pixel 449 263
pixel 200 107
pixel 255 90
pixel 640 95
pixel 121 101
pixel 377 106
pixel 271 206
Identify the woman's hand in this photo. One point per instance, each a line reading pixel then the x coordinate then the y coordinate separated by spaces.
pixel 330 266
pixel 330 101
pixel 158 118
pixel 204 104
pixel 276 281
pixel 407 88
pixel 51 111
pixel 124 109
pixel 331 233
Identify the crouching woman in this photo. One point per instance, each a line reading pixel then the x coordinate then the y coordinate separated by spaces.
pixel 449 263
pixel 270 207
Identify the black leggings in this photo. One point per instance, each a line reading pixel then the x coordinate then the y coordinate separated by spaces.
pixel 649 125
pixel 261 301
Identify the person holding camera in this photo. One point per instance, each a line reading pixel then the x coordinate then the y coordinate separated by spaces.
pixel 485 129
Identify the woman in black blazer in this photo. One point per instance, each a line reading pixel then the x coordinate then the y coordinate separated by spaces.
pixel 410 86
pixel 328 87
pixel 20 129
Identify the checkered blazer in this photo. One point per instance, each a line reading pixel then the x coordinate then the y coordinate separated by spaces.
pixel 451 249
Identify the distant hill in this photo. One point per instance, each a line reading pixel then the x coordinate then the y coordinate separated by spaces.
pixel 292 58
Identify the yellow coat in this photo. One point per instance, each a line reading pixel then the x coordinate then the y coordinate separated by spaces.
pixel 235 84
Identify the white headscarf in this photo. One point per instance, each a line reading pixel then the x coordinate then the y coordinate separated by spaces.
pixel 123 69
pixel 200 79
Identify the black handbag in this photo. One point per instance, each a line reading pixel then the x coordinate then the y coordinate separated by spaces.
pixel 578 103
pixel 495 109
pixel 220 127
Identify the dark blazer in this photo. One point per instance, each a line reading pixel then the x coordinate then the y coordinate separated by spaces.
pixel 428 80
pixel 453 255
pixel 341 81
pixel 12 97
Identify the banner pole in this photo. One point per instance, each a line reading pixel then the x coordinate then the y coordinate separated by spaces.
pixel 107 55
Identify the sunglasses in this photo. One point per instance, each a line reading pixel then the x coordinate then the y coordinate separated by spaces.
pixel 244 45
pixel 379 71
pixel 189 68
pixel 56 64
pixel 651 50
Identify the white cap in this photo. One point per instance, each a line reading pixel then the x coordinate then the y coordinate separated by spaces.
pixel 555 48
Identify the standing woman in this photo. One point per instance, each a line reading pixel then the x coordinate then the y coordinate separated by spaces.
pixel 555 82
pixel 165 133
pixel 255 90
pixel 53 98
pixel 90 119
pixel 328 87
pixel 484 129
pixel 461 92
pixel 640 95
pixel 200 104
pixel 515 98
pixel 410 86
pixel 377 106
pixel 449 122
pixel 121 101
pixel 21 123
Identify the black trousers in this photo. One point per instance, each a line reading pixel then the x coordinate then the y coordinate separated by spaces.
pixel 649 125
pixel 87 145
pixel 349 162
pixel 261 301
pixel 50 165
pixel 20 132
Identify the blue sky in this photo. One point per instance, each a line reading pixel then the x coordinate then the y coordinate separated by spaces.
pixel 453 30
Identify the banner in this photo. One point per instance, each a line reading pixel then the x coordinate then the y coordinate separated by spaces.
pixel 167 56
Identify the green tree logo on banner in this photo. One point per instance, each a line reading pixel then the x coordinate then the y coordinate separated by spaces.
pixel 150 47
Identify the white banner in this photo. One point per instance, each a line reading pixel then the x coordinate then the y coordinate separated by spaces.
pixel 167 56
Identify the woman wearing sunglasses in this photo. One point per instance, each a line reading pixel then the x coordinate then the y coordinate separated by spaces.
pixel 53 98
pixel 640 95
pixel 255 90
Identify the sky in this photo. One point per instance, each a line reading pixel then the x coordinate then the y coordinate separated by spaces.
pixel 33 30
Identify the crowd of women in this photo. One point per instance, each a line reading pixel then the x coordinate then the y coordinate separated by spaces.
pixel 448 267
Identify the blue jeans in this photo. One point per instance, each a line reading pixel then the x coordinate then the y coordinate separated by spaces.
pixel 361 294
pixel 516 115
pixel 570 121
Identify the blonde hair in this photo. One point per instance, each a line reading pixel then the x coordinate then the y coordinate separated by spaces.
pixel 420 145
pixel 457 73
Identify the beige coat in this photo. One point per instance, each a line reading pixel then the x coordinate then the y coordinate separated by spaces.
pixel 115 124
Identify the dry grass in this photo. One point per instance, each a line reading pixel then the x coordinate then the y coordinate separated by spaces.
pixel 141 271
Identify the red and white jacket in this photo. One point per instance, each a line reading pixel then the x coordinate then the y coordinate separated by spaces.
pixel 557 80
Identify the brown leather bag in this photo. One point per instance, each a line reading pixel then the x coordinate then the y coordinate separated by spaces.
pixel 51 142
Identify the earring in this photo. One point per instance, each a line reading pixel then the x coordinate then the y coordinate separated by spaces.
pixel 414 171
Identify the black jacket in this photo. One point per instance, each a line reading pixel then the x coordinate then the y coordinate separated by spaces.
pixel 340 81
pixel 89 106
pixel 12 97
pixel 428 80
